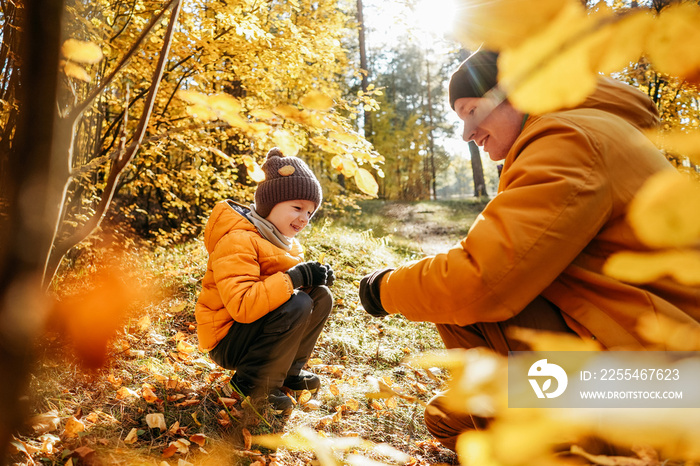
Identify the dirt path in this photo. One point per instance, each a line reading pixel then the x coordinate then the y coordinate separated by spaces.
pixel 435 227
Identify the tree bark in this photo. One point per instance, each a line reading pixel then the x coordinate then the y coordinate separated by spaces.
pixel 24 235
pixel 477 170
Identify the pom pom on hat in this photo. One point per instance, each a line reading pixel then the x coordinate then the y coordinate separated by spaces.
pixel 475 76
pixel 286 179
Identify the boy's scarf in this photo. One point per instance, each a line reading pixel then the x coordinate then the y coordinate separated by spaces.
pixel 269 231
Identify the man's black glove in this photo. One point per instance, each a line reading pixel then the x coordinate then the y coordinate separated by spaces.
pixel 330 276
pixel 369 293
pixel 308 274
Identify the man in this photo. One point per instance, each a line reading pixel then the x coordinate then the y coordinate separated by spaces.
pixel 534 256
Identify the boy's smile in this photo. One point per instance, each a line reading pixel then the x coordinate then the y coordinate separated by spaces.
pixel 290 217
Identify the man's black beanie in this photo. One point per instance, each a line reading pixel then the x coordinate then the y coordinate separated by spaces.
pixel 475 76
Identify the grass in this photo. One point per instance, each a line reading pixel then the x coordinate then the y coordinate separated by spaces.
pixel 154 356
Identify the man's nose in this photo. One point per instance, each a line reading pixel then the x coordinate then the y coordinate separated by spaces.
pixel 468 132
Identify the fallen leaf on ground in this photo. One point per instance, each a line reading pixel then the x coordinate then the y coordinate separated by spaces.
pixel 247 438
pixel 73 427
pixel 304 397
pixel 334 389
pixel 156 420
pixel 46 422
pixel 132 436
pixel 124 393
pixel 149 396
pixel 199 439
pixel 182 445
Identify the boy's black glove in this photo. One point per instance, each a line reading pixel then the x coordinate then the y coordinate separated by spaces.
pixel 308 274
pixel 330 276
pixel 369 293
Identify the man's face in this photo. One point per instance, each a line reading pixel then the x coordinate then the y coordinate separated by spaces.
pixel 495 128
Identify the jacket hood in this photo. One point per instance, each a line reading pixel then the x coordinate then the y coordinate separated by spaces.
pixel 226 216
pixel 624 101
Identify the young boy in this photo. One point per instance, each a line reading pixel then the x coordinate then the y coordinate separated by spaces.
pixel 262 308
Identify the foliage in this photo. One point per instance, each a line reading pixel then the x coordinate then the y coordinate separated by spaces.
pixel 240 78
pixel 404 126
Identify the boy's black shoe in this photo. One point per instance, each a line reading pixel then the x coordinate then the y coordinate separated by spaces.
pixel 280 403
pixel 304 381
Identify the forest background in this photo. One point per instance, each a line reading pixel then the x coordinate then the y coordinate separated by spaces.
pixel 124 122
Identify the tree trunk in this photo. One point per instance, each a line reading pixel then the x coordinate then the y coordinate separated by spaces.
pixel 477 170
pixel 24 234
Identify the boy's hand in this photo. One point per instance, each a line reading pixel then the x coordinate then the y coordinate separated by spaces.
pixel 308 274
pixel 330 276
pixel 369 293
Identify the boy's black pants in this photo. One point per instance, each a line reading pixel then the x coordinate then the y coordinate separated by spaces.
pixel 277 345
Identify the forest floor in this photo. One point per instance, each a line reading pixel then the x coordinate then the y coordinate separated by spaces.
pixel 156 399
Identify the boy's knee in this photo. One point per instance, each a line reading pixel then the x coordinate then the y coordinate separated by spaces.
pixel 323 298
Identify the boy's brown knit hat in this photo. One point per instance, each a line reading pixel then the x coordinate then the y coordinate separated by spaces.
pixel 286 179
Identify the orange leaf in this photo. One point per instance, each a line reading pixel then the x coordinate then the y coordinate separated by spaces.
pixel 247 438
pixel 199 439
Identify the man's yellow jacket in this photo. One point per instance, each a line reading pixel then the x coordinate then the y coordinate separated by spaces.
pixel 558 215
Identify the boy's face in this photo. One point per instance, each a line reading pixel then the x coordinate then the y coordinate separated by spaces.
pixel 290 217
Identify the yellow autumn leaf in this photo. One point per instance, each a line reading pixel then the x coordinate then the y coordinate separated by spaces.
pixel 287 111
pixel 669 334
pixel 500 24
pixel 538 77
pixel 474 447
pixel 317 100
pixel 192 97
pixel 624 40
pixel 132 436
pixel 664 211
pixel 255 172
pixel 539 340
pixel 156 421
pixel 682 266
pixel 143 323
pixel 148 395
pixel 304 397
pixel 81 51
pixel 347 167
pixel 73 427
pixel 262 114
pixel 76 71
pixel 286 142
pixel 185 347
pixel 679 142
pixel 329 146
pixel 366 182
pixel 225 103
pixel 345 137
pixel 258 128
pixel 672 43
pixel 201 112
pixel 125 392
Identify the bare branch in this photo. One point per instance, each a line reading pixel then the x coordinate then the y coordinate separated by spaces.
pixel 75 114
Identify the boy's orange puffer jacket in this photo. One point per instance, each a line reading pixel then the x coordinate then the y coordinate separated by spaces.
pixel 245 276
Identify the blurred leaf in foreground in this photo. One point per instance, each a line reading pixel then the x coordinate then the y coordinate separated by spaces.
pixel 664 211
pixel 682 266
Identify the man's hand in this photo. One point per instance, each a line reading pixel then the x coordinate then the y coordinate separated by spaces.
pixel 369 293
pixel 308 274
